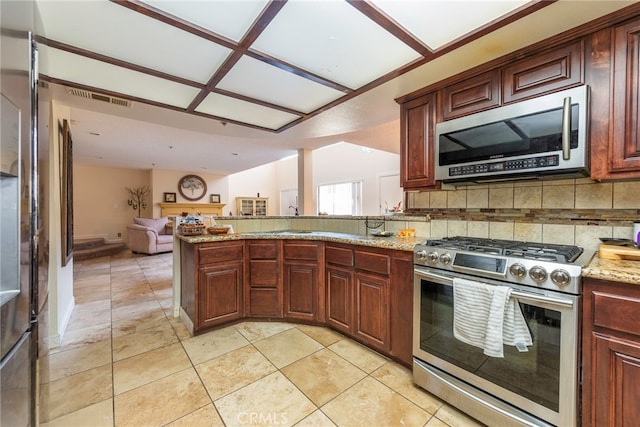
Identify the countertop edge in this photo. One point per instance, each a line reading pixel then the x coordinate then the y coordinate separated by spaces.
pixel 613 270
pixel 393 242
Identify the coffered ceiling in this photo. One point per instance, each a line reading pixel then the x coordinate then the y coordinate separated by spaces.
pixel 168 84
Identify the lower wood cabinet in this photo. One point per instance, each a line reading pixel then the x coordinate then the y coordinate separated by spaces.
pixel 369 296
pixel 263 290
pixel 339 299
pixel 401 307
pixel 372 309
pixel 303 280
pixel 365 293
pixel 219 293
pixel 611 354
pixel 212 282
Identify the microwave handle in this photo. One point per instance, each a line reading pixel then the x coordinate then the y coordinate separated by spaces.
pixel 566 129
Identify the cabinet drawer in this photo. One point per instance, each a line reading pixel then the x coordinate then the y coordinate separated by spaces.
pixel 616 312
pixel 369 261
pixel 339 256
pixel 263 250
pixel 220 253
pixel 304 250
pixel 263 273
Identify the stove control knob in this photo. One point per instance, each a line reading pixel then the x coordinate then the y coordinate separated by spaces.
pixel 432 257
pixel 421 255
pixel 445 259
pixel 537 273
pixel 560 277
pixel 517 270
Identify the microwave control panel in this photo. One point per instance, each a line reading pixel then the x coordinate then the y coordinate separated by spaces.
pixel 506 165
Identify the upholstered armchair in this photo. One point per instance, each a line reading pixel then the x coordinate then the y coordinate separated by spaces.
pixel 150 236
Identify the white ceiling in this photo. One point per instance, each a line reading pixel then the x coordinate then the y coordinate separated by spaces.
pixel 222 86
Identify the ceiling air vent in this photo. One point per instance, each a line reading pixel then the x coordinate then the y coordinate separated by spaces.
pixel 98 97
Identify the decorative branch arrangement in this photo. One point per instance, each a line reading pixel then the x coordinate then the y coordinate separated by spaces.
pixel 137 197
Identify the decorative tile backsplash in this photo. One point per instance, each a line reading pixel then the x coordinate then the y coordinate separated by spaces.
pixel 571 211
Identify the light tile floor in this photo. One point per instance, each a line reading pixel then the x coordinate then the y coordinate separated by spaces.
pixel 124 361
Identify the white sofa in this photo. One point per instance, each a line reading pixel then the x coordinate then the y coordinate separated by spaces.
pixel 150 236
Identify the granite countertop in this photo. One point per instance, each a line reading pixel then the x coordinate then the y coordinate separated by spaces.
pixel 603 269
pixel 392 242
pixel 613 270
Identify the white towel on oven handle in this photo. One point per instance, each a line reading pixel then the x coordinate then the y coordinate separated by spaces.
pixel 486 316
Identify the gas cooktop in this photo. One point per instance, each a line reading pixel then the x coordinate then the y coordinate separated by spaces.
pixel 541 265
pixel 514 248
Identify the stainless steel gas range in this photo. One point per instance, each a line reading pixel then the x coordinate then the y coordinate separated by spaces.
pixel 534 384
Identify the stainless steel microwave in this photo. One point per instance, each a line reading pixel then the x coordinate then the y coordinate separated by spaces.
pixel 536 138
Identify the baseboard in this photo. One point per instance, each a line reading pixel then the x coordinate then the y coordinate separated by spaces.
pixel 65 319
pixel 99 236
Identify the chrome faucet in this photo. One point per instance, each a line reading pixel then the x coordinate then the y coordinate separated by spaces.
pixel 296 208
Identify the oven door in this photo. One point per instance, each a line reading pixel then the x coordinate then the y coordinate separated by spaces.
pixel 542 382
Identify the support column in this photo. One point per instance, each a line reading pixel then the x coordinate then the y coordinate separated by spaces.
pixel 305 182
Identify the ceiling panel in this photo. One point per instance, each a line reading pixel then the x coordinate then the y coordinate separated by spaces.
pixel 306 56
pixel 334 40
pixel 90 25
pixel 84 71
pixel 242 111
pixel 259 80
pixel 437 22
pixel 230 18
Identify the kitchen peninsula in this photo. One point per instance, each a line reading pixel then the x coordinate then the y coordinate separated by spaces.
pixel 359 285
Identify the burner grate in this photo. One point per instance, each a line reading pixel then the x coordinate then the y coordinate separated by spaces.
pixel 529 250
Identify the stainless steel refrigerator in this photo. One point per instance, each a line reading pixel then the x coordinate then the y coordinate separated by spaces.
pixel 23 226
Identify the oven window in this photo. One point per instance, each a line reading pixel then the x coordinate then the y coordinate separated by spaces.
pixel 534 374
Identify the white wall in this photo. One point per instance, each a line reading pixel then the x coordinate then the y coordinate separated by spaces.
pixel 61 301
pixel 340 162
pixel 348 162
pixel 260 180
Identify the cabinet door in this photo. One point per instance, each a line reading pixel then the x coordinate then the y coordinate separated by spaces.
pixel 372 310
pixel 401 305
pixel 549 71
pixel 472 95
pixel 615 383
pixel 261 207
pixel 417 121
pixel 339 298
pixel 625 144
pixel 300 290
pixel 219 296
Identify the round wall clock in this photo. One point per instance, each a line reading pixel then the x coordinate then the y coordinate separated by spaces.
pixel 192 187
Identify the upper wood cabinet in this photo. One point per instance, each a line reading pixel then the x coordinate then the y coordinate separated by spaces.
pixel 550 71
pixel 472 95
pixel 613 73
pixel 625 144
pixel 417 121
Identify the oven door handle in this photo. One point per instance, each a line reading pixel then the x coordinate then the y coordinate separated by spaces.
pixel 514 293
